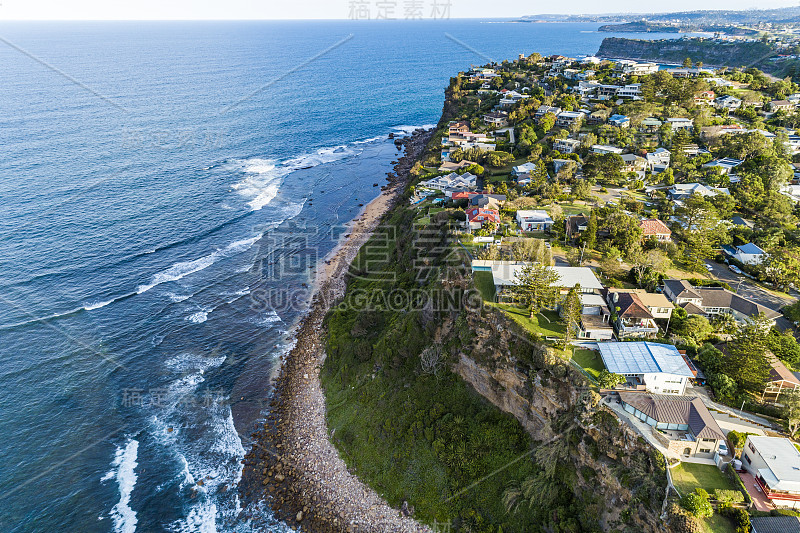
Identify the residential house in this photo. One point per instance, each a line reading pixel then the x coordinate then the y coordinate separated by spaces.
pixel 523 180
pixel 620 121
pixel 606 92
pixel 534 220
pixel 488 201
pixel 633 163
pixel 605 149
pixel 710 301
pixel 449 166
pixel 726 164
pixel 678 124
pixel 719 82
pixel 505 274
pixel 633 90
pixel 634 68
pixel 749 254
pixel 566 119
pixel 681 191
pixel 774 463
pixel 477 216
pixel 781 105
pixel 451 183
pixel 650 125
pixel 524 168
pixel 682 424
pixel 781 379
pixel 657 368
pixel 498 119
pixel 692 150
pixel 688 72
pixel 704 97
pixel 585 89
pixel 542 110
pixel 658 304
pixel 775 524
pixel 731 103
pixel 658 161
pixel 594 323
pixel 558 163
pixel 575 225
pixel 458 127
pixel 632 319
pixel 739 221
pixel 566 146
pixel 598 117
pixel 653 228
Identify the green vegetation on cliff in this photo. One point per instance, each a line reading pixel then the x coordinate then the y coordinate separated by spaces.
pixel 706 51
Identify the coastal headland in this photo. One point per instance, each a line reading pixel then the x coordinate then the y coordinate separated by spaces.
pixel 293 465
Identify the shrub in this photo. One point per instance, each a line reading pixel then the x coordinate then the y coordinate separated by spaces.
pixel 783 512
pixel 741 520
pixel 728 496
pixel 682 522
pixel 733 476
pixel 702 493
pixel 697 505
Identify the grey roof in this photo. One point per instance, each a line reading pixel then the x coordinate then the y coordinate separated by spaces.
pixel 681 288
pixel 775 524
pixel 643 358
pixel 721 297
pixel 676 410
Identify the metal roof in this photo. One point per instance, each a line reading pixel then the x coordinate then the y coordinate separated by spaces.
pixel 643 358
pixel 783 462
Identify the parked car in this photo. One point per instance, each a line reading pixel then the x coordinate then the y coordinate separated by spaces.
pixel 723 449
pixel 735 269
pixel 709 267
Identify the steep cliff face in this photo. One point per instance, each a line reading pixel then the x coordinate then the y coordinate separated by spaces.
pixel 552 402
pixel 732 54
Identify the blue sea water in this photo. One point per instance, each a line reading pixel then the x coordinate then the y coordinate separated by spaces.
pixel 166 189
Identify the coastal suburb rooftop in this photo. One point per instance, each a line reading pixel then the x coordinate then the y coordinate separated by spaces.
pixel 783 463
pixel 643 358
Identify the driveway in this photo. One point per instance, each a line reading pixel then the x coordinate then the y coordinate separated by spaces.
pixel 760 501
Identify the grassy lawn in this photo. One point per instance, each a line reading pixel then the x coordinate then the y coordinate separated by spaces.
pixel 545 324
pixel 484 282
pixel 689 476
pixel 589 360
pixel 717 524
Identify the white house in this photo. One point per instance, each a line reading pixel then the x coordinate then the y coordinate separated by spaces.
pixel 534 220
pixel 524 168
pixel 633 90
pixel 568 118
pixel 749 254
pixel 726 164
pixel 659 368
pixel 774 462
pixel 605 149
pixel 658 161
pixel 451 183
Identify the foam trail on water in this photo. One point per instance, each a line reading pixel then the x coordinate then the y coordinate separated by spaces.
pixel 123 470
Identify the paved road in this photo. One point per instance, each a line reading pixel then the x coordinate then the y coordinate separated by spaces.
pixel 750 290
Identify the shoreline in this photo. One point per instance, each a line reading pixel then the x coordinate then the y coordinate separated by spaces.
pixel 292 465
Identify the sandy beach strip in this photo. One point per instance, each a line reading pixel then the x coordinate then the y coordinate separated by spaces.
pixel 293 465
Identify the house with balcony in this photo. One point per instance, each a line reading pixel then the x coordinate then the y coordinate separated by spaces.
pixel 632 90
pixel 774 463
pixel 658 160
pixel 647 366
pixel 710 301
pixel 566 146
pixel 631 317
pixel 633 163
pixel 566 119
pixel 620 121
pixel 650 125
pixel 658 304
pixel 731 103
pixel 682 424
pixel 534 220
pixel 525 168
pixel 478 216
pixel 780 380
pixel 498 119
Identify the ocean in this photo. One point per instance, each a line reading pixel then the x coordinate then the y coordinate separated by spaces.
pixel 166 190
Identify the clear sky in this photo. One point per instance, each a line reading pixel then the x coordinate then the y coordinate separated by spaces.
pixel 336 9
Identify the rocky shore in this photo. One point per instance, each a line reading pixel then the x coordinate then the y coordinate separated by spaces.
pixel 292 465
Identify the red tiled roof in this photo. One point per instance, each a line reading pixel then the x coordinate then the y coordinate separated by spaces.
pixel 653 226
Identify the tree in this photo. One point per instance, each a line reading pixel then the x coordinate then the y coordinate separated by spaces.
pixel 608 380
pixel 498 159
pixel 791 409
pixel 746 361
pixel 687 63
pixel 697 505
pixel 694 329
pixel 534 286
pixel 724 324
pixel 624 231
pixel 723 385
pixel 547 122
pixel 431 360
pixel 782 267
pixel 571 309
pixel 647 265
pixel 581 190
pixel 589 237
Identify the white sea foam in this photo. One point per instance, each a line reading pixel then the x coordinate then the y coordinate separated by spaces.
pixel 408 130
pixel 178 297
pixel 98 305
pixel 181 270
pixel 124 471
pixel 199 317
